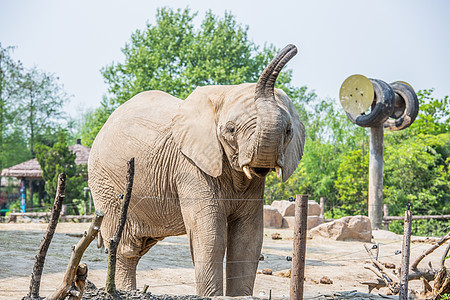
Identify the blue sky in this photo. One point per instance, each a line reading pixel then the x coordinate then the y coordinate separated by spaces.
pixel 388 40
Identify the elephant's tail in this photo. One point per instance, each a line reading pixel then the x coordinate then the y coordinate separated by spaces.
pixel 99 240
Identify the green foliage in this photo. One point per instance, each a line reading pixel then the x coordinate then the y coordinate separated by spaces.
pixel 59 159
pixel 433 117
pixel 277 189
pixel 31 103
pixel 417 172
pixel 423 227
pixel 11 140
pixel 352 182
pixel 175 57
pixel 92 122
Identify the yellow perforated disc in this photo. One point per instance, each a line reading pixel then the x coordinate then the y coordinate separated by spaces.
pixel 356 94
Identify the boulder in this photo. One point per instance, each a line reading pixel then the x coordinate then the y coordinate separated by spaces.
pixel 286 208
pixel 313 221
pixel 313 208
pixel 352 228
pixel 272 217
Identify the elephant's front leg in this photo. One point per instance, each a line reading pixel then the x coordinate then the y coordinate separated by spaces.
pixel 206 229
pixel 245 236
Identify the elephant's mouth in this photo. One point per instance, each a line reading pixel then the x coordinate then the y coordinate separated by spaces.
pixel 260 172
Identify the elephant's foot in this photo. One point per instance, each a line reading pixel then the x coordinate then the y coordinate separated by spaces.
pixel 126 272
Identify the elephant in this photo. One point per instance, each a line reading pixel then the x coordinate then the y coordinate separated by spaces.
pixel 200 168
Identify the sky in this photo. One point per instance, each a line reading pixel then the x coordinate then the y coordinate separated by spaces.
pixel 391 40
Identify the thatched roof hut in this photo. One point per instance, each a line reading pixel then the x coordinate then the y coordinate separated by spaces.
pixel 31 168
pixel 27 169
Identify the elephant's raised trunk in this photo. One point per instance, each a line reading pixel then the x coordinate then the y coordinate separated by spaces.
pixel 270 126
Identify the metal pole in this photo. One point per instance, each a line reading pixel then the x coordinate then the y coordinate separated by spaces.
pixel 403 294
pixel 376 176
pixel 299 247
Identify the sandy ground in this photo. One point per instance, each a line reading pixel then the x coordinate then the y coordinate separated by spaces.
pixel 167 268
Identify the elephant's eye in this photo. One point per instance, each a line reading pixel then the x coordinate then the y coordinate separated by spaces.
pixel 230 128
pixel 288 130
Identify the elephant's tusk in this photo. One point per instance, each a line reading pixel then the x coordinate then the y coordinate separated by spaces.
pixel 247 171
pixel 279 171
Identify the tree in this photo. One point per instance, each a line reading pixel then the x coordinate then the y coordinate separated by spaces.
pixel 31 103
pixel 174 56
pixel 39 109
pixel 352 183
pixel 433 117
pixel 57 159
pixel 10 73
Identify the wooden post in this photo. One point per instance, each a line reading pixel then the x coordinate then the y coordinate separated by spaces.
pixel 42 252
pixel 299 247
pixel 114 242
pixel 403 294
pixel 385 214
pixel 74 267
pixel 322 207
pixel 376 176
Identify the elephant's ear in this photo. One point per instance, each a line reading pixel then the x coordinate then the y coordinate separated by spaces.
pixel 294 151
pixel 194 130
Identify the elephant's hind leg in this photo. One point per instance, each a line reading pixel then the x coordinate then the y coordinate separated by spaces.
pixel 127 261
pixel 126 272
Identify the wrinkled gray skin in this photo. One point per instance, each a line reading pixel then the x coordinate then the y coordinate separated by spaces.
pixel 189 178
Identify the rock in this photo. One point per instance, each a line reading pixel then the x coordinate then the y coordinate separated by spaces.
pixel 267 271
pixel 276 236
pixel 272 217
pixel 313 208
pixel 356 228
pixel 288 222
pixel 389 265
pixel 313 221
pixel 285 207
pixel 326 280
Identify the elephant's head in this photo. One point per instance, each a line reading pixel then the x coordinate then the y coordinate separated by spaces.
pixel 255 125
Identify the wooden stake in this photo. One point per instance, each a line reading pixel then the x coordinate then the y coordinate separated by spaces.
pixel 112 253
pixel 42 252
pixel 299 247
pixel 74 267
pixel 403 294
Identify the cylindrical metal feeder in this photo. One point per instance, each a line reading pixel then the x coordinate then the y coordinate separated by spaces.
pixel 374 103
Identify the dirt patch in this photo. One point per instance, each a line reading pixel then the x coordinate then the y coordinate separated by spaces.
pixel 168 269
